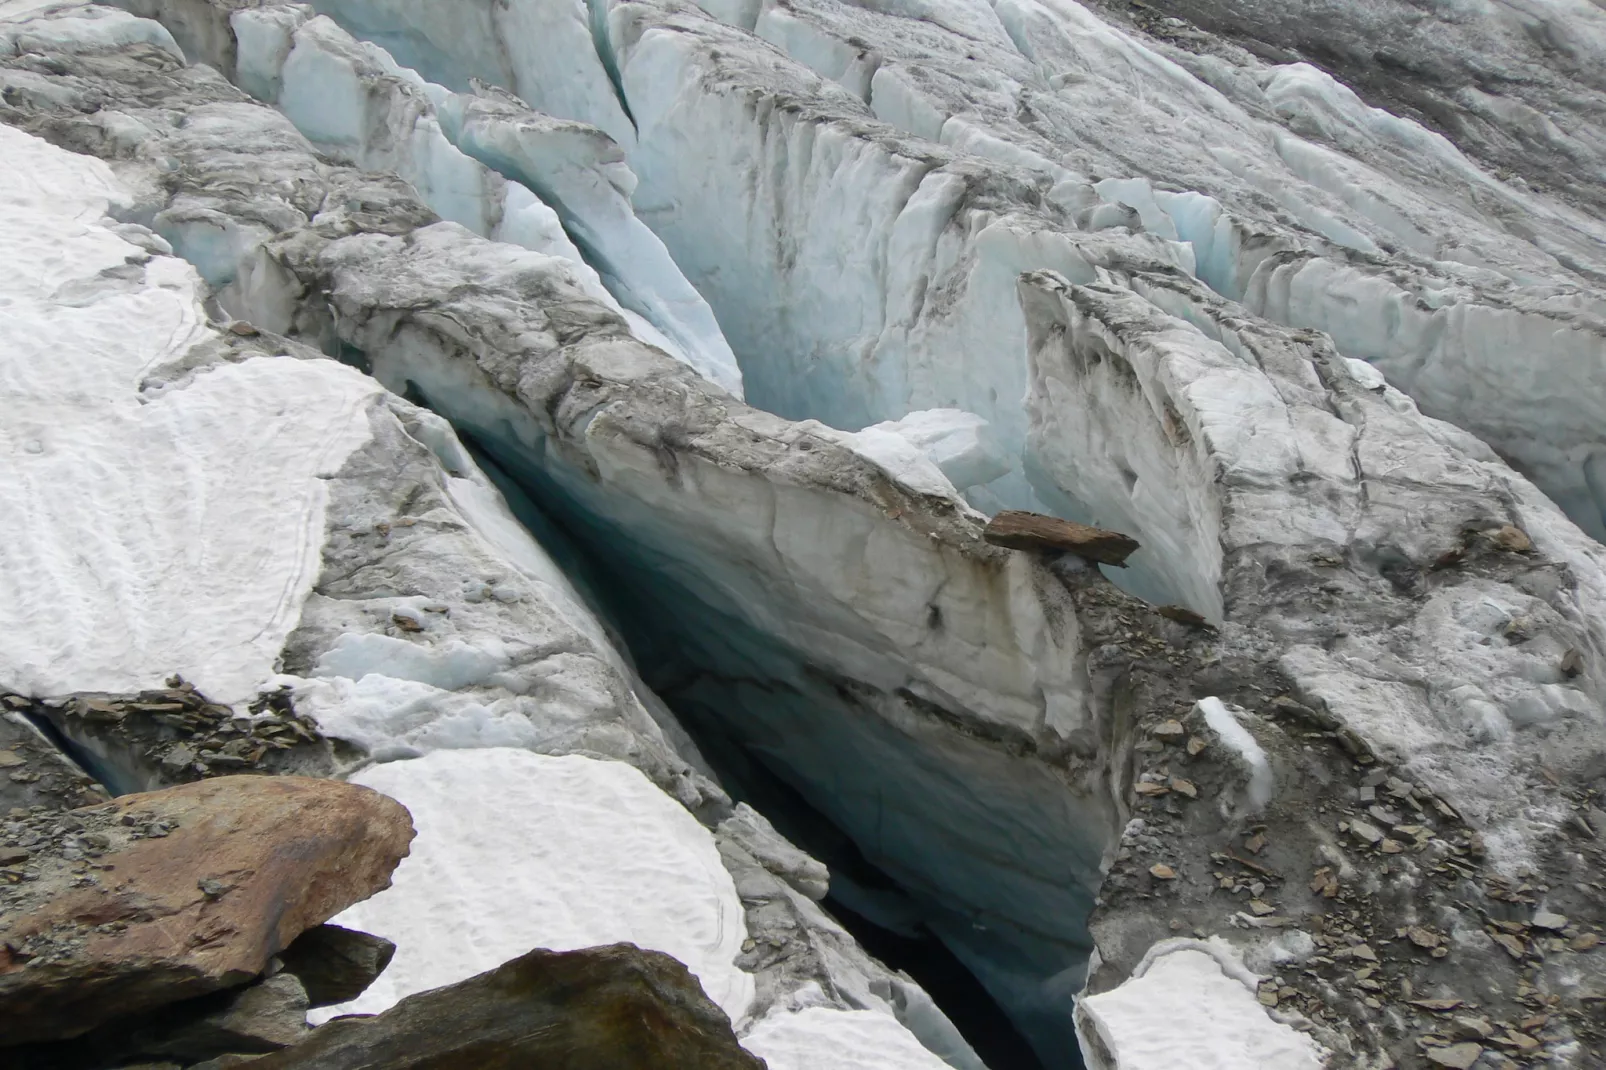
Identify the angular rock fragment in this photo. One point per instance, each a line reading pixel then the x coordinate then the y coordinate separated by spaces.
pixel 191 889
pixel 615 1006
pixel 1020 530
pixel 336 964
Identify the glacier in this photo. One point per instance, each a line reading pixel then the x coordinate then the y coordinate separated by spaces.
pixel 684 351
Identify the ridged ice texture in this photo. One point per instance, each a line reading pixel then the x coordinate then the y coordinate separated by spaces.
pixel 144 533
pixel 588 852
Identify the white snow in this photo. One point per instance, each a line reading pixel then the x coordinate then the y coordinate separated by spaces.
pixel 517 851
pixel 823 1038
pixel 1227 728
pixel 143 534
pixel 1185 1007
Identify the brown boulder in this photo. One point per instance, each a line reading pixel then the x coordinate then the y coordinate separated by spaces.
pixel 1019 530
pixel 617 1006
pixel 158 897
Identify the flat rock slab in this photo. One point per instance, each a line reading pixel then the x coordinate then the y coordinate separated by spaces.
pixel 615 1006
pixel 158 897
pixel 1020 530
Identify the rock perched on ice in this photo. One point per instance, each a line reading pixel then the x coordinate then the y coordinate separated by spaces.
pixel 194 888
pixel 614 1006
pixel 1047 534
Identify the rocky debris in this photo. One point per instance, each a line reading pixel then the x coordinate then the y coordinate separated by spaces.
pixel 615 1006
pixel 34 771
pixel 153 898
pixel 1363 896
pixel 174 735
pixel 335 964
pixel 1019 530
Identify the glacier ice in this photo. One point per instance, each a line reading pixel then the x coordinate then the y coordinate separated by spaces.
pixel 459 631
pixel 946 265
pixel 478 167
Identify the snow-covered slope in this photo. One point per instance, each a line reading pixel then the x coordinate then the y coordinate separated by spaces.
pixel 124 500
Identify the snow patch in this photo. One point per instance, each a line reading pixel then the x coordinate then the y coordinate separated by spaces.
pixel 143 534
pixel 517 851
pixel 1226 727
pixel 1189 1003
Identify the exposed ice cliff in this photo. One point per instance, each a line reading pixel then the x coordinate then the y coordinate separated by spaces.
pixel 1004 250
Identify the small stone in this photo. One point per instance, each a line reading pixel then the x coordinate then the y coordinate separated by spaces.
pixel 1161 871
pixel 1256 843
pixel 1572 663
pixel 1383 816
pixel 10 856
pixel 1196 745
pixel 1514 947
pixel 1368 794
pixel 243 329
pixel 178 758
pixel 1149 787
pixel 406 623
pixel 9 758
pixel 1363 831
pixel 1184 787
pixel 1440 952
pixel 1260 908
pixel 1423 938
pixel 1267 995
pixel 1511 539
pixel 1456 1056
pixel 1170 731
pixel 1521 1041
pixel 1550 922
pixel 1437 1006
pixel 1363 952
pixel 1585 942
pixel 1182 615
pixel 1472 1028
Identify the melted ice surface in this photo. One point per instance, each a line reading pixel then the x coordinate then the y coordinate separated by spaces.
pixel 587 852
pixel 143 534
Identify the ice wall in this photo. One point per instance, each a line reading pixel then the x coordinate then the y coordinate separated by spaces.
pixel 353 101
